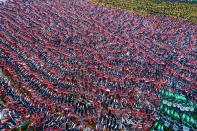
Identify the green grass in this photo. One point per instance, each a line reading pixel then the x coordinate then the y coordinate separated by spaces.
pixel 178 9
pixel 1 99
pixel 22 127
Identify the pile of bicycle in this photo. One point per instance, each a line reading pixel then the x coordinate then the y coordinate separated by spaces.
pixel 76 65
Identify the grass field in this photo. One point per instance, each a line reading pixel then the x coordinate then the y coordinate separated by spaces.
pixel 178 9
